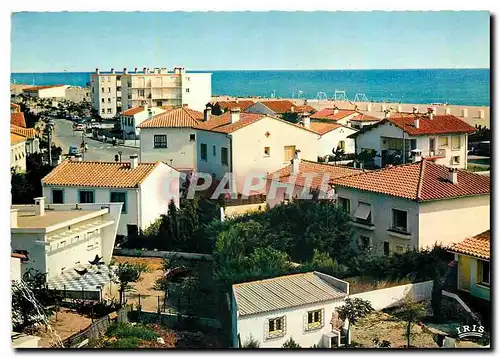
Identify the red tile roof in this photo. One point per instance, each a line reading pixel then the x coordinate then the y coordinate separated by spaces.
pixel 18 256
pixel 422 181
pixel 328 113
pixel 17 118
pixel 227 105
pixel 362 117
pixel 324 127
pixel 304 109
pixel 222 124
pixel 99 174
pixel 133 110
pixel 477 246
pixel 37 88
pixel 26 132
pixel 320 170
pixel 175 118
pixel 279 107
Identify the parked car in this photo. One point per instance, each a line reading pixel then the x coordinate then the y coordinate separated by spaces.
pixel 80 127
pixel 73 150
pixel 95 125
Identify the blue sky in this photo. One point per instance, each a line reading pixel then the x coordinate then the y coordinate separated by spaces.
pixel 52 42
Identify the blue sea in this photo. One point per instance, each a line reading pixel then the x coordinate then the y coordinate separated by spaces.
pixel 454 86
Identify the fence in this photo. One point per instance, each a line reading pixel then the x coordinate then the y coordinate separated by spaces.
pixel 96 329
pixel 392 296
pixel 161 254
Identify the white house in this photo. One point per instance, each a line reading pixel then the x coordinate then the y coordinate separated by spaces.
pixel 31 134
pixel 441 137
pixel 17 151
pixel 300 306
pixel 112 92
pixel 56 239
pixel 414 206
pixel 145 189
pixel 332 136
pixel 302 177
pixel 133 117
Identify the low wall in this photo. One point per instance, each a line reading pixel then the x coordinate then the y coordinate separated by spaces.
pixel 161 254
pixel 391 297
pixel 173 318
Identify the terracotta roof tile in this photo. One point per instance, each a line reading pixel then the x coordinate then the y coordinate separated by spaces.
pixel 477 246
pixel 319 169
pixel 420 181
pixel 304 109
pixel 222 124
pixel 133 110
pixel 99 174
pixel 324 127
pixel 363 117
pixel 15 107
pixel 177 118
pixel 227 105
pixel 17 118
pixel 279 107
pixel 328 113
pixel 26 132
pixel 440 124
pixel 16 138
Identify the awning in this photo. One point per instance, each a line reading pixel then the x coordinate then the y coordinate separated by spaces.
pixel 363 211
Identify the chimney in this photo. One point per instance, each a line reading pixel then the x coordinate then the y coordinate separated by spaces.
pixel 369 107
pixel 235 114
pixel 133 161
pixel 113 71
pixel 13 218
pixel 40 206
pixel 145 106
pixel 453 175
pixel 296 163
pixel 97 71
pixel 415 109
pixel 125 71
pixel 335 110
pixel 465 112
pixel 207 113
pixel 185 105
pixel 307 122
pixel 416 122
pixel 136 69
pixel 430 112
pixel 150 113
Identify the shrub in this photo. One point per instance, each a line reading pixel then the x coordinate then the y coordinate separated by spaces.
pixel 251 343
pixel 123 330
pixel 290 343
pixel 124 343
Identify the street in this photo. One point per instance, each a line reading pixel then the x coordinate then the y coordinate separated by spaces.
pixel 65 136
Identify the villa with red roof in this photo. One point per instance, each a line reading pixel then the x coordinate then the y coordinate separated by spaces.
pixel 346 117
pixel 132 117
pixel 414 206
pixel 278 107
pixel 443 138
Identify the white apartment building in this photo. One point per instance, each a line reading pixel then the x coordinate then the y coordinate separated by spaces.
pixel 114 92
pixel 440 137
pixel 145 189
pixel 300 306
pixel 414 205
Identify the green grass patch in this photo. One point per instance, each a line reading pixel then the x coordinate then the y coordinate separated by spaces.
pixel 122 330
pixel 124 343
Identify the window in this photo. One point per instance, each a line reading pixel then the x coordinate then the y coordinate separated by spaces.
pixel 159 103
pixel 102 100
pixel 455 142
pixel 187 90
pixel 363 213
pixel 103 111
pixel 399 220
pixel 192 137
pixel 109 89
pixel 276 327
pixel 289 153
pixel 443 142
pixel 224 156
pixel 345 204
pixel 109 100
pixel 140 93
pixel 109 111
pixel 160 141
pixel 267 151
pixel 386 248
pixel 456 159
pixel 363 242
pixel 432 144
pixel 57 196
pixel 102 89
pixel 314 319
pixel 85 196
pixel 483 272
pixel 399 249
pixel 203 151
pixel 119 197
pixel 342 144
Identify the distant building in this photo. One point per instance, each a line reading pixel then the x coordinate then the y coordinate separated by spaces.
pixel 221 107
pixel 347 117
pixel 399 136
pixel 53 91
pixel 17 151
pixel 78 94
pixel 272 107
pixel 300 306
pixel 474 270
pixel 113 92
pixel 145 189
pixel 133 117
pixel 414 206
pixel 32 140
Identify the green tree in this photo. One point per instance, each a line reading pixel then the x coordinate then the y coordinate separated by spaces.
pixel 352 310
pixel 411 311
pixel 128 273
pixel 366 156
pixel 251 343
pixel 292 117
pixel 338 154
pixel 290 343
pixel 322 262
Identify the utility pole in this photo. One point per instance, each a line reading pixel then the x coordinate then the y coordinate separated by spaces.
pixel 49 126
pixel 83 146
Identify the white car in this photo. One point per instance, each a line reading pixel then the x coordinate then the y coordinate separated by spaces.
pixel 79 127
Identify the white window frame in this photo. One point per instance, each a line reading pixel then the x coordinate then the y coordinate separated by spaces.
pixel 313 326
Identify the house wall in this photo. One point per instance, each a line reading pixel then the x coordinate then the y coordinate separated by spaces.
pixel 101 195
pixel 295 322
pixel 450 221
pixel 249 143
pixel 330 141
pixel 33 243
pixel 137 119
pixel 381 211
pixel 78 94
pixel 213 164
pixel 361 124
pixel 108 108
pixel 18 155
pixel 15 269
pixel 53 92
pixel 467 277
pixel 161 186
pixel 180 153
pixel 200 90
